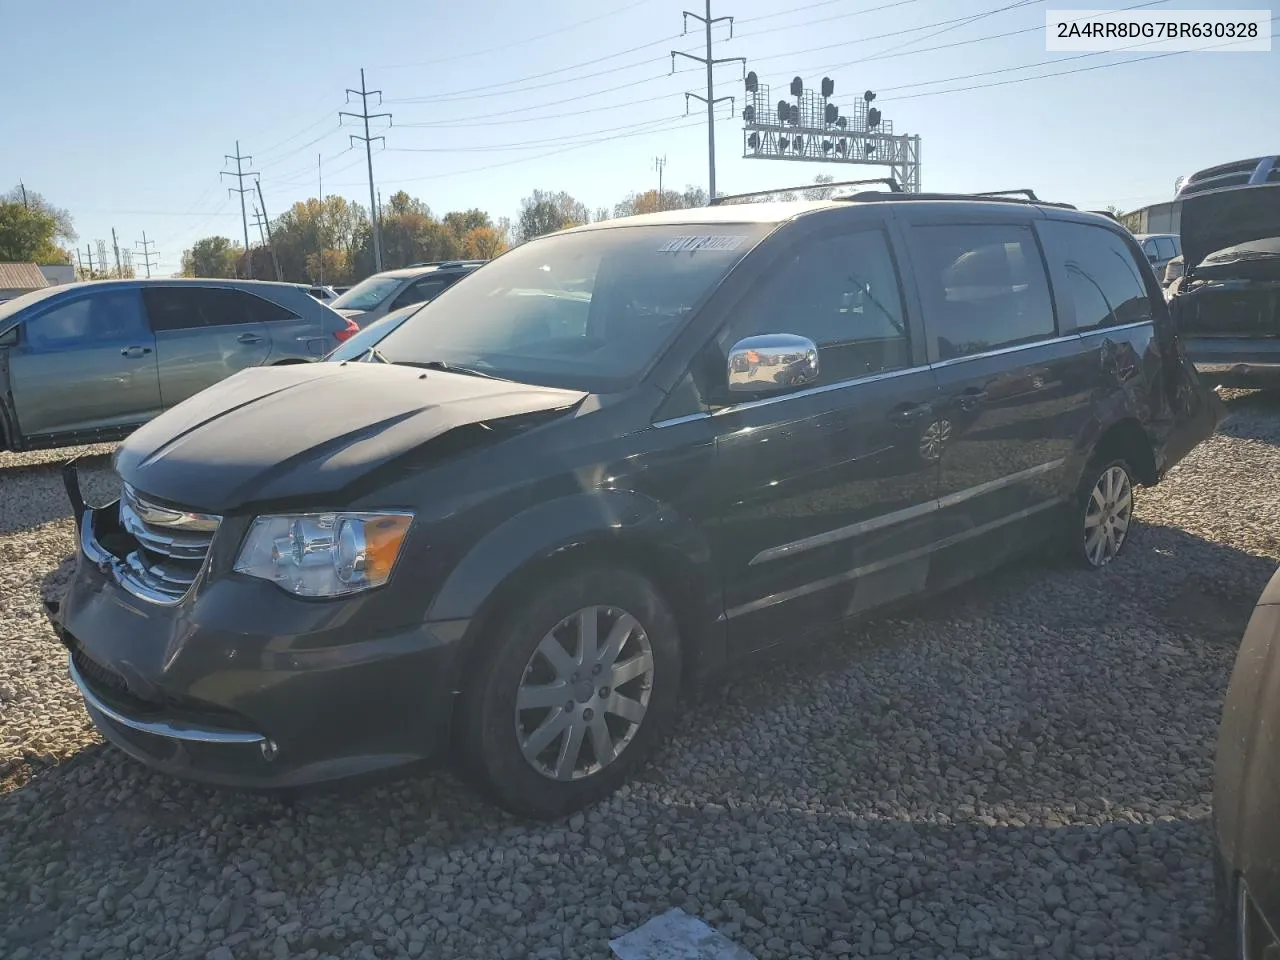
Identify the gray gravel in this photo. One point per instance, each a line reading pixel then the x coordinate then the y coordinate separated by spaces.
pixel 1020 769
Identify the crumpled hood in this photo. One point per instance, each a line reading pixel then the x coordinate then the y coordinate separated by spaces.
pixel 1217 220
pixel 303 430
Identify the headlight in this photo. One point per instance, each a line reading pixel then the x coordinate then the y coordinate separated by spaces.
pixel 324 554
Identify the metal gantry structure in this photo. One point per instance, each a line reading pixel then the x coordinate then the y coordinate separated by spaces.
pixel 810 128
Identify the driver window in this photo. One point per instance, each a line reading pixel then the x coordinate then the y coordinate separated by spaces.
pixel 842 293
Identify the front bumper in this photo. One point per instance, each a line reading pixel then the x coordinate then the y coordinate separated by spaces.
pixel 1236 362
pixel 242 684
pixel 1242 375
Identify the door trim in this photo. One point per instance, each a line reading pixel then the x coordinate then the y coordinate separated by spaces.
pixel 877 566
pixel 900 516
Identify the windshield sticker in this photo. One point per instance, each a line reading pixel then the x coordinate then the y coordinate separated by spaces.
pixel 693 244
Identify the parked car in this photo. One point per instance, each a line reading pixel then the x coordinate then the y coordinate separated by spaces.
pixel 1227 303
pixel 381 293
pixel 362 345
pixel 614 460
pixel 89 362
pixel 321 292
pixel 1246 789
pixel 1159 249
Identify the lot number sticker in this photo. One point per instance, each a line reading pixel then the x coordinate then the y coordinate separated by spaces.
pixel 694 244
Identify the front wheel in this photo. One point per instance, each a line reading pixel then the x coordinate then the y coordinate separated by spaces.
pixel 578 685
pixel 1103 514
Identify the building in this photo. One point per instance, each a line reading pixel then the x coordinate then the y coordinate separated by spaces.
pixel 56 274
pixel 1157 218
pixel 19 278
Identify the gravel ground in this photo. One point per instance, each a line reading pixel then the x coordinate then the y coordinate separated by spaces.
pixel 1020 769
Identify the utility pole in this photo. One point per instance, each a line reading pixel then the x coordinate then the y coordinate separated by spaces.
pixel 241 189
pixel 257 222
pixel 658 164
pixel 710 99
pixel 80 261
pixel 146 251
pixel 115 245
pixel 364 93
pixel 275 261
pixel 320 177
pixel 88 249
pixel 23 186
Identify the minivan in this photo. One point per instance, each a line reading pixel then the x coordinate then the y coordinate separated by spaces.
pixel 612 462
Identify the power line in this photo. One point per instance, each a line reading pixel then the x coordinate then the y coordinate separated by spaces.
pixel 364 115
pixel 533 144
pixel 513 43
pixel 147 253
pixel 710 99
pixel 240 174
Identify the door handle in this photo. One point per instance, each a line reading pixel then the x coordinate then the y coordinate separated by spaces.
pixel 249 338
pixel 133 353
pixel 910 412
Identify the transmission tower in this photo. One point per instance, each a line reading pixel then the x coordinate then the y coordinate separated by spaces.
pixel 240 173
pixel 147 253
pixel 102 256
pixel 710 99
pixel 364 93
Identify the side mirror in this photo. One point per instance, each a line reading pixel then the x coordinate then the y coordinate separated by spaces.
pixel 771 363
pixel 10 337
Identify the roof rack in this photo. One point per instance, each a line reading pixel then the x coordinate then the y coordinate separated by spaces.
pixel 444 263
pixel 998 197
pixel 893 185
pixel 1023 191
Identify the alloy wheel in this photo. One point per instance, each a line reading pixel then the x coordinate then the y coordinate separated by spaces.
pixel 1108 514
pixel 584 693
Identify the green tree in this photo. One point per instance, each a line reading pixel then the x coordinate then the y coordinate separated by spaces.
pixel 65 232
pixel 647 202
pixel 546 212
pixel 483 243
pixel 314 236
pixel 211 257
pixel 28 235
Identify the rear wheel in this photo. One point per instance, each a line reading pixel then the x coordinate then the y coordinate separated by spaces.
pixel 1103 514
pixel 579 684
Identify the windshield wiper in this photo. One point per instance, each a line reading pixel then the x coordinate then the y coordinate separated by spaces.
pixel 373 353
pixel 445 367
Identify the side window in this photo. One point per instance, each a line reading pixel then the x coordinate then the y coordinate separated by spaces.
pixel 262 310
pixel 1092 308
pixel 984 287
pixel 1105 259
pixel 187 308
pixel 419 292
pixel 1166 248
pixel 842 293
pixel 99 318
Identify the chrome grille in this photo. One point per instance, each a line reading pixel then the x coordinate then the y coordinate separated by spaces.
pixel 172 546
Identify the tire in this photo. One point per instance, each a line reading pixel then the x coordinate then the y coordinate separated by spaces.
pixel 558 769
pixel 1104 500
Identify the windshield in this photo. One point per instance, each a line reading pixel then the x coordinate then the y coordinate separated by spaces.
pixel 368 293
pixel 586 310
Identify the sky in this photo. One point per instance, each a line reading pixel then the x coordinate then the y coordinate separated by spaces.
pixel 123 112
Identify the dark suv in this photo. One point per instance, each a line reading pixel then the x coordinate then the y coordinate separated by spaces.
pixel 610 462
pixel 1227 303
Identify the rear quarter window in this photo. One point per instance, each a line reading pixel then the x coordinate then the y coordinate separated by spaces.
pixel 1099 264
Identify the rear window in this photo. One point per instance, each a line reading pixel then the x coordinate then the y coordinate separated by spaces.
pixel 1106 287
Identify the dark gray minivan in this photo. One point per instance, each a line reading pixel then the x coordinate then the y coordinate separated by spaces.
pixel 89 362
pixel 614 460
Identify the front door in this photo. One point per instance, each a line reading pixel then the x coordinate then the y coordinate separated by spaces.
pixel 203 335
pixel 83 364
pixel 1014 395
pixel 827 492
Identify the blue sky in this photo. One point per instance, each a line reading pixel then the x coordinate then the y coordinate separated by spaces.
pixel 122 112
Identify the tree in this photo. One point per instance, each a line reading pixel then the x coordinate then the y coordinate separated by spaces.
pixel 483 243
pixel 211 257
pixel 313 227
pixel 28 235
pixel 648 202
pixel 65 232
pixel 546 212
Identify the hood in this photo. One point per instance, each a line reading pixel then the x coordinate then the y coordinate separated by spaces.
pixel 1219 219
pixel 308 430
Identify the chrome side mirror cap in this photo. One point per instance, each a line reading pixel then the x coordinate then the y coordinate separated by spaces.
pixel 771 363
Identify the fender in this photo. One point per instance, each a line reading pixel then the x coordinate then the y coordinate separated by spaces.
pixel 608 517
